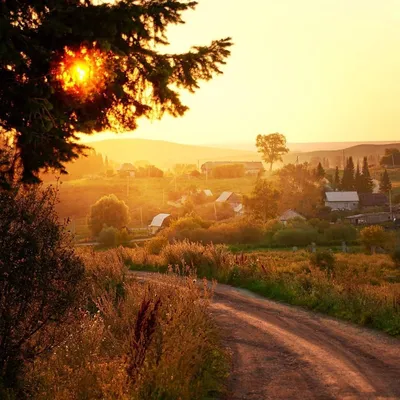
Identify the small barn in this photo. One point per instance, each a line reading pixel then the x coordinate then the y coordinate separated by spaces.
pixel 208 192
pixel 229 197
pixel 373 200
pixel 369 219
pixel 290 215
pixel 342 200
pixel 159 221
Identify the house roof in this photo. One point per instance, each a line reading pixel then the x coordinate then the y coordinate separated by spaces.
pixel 127 167
pixel 342 196
pixel 159 219
pixel 373 199
pixel 224 197
pixel 207 192
pixel 290 214
pixel 368 215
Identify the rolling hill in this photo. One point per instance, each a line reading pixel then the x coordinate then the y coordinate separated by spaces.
pixel 357 152
pixel 165 154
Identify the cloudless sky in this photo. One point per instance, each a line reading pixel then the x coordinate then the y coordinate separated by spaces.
pixel 314 70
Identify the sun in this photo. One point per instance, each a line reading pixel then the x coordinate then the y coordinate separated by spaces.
pixel 82 72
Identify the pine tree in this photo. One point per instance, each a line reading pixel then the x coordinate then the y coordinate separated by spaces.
pixel 348 176
pixel 41 112
pixel 385 185
pixel 368 184
pixel 320 172
pixel 358 180
pixel 336 179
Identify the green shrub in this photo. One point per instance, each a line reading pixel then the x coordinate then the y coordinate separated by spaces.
pixel 341 232
pixel 295 237
pixel 156 244
pixel 324 260
pixel 109 236
pixel 396 256
pixel 375 236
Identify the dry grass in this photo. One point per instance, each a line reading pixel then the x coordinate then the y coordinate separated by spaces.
pixel 137 340
pixel 361 288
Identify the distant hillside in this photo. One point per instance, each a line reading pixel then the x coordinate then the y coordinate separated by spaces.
pixel 165 154
pixel 373 151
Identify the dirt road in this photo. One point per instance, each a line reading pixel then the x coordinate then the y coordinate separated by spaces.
pixel 283 352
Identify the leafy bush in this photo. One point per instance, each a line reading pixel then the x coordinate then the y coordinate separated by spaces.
pixel 375 236
pixel 40 281
pixel 156 244
pixel 295 237
pixel 340 232
pixel 108 211
pixel 396 256
pixel 108 236
pixel 324 260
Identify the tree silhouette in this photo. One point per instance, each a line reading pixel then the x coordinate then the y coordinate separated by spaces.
pixel 348 176
pixel 367 183
pixel 385 185
pixel 39 118
pixel 272 147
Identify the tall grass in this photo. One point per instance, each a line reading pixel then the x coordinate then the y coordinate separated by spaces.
pixel 134 340
pixel 361 288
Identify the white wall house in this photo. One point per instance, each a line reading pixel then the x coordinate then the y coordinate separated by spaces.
pixel 342 200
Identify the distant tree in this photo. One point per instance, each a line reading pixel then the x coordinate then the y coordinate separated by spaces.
pixel 376 236
pixel 367 183
pixel 385 185
pixel 300 189
pixel 358 180
pixel 40 280
pixel 149 171
pixel 325 163
pixel 262 204
pixel 195 173
pixel 109 211
pixel 106 166
pixel 320 171
pixel 336 179
pixel 272 147
pixel 391 157
pixel 348 183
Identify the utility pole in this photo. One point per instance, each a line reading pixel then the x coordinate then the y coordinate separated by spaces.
pixel 141 217
pixel 215 212
pixel 163 197
pixel 390 205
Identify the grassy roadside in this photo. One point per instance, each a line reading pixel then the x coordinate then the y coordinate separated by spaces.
pixel 123 345
pixel 364 289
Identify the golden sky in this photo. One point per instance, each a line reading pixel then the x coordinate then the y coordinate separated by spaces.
pixel 314 70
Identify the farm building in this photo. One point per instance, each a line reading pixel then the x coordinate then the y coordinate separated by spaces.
pixel 127 169
pixel 208 192
pixel 289 215
pixel 369 219
pixel 342 200
pixel 159 221
pixel 230 198
pixel 239 210
pixel 373 200
pixel 250 167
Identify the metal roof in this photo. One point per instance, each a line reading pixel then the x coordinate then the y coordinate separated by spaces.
pixel 224 197
pixel 208 192
pixel 159 219
pixel 290 214
pixel 342 196
pixel 239 208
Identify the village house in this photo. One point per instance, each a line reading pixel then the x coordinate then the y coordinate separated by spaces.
pixel 290 215
pixel 159 221
pixel 342 200
pixel 369 219
pixel 250 167
pixel 229 197
pixel 373 200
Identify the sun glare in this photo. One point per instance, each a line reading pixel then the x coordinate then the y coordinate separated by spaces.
pixel 82 72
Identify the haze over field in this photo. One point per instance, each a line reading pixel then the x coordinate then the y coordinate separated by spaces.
pixel 315 71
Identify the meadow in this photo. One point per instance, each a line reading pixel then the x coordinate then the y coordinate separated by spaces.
pixel 361 288
pixel 123 343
